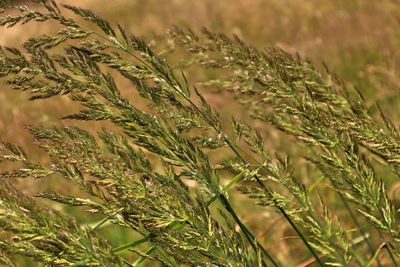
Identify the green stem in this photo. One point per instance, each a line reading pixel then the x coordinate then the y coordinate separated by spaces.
pixel 104 220
pixel 359 227
pixel 253 242
pixel 128 246
pixel 281 210
pixel 375 255
pixel 354 218
pixel 127 263
pixel 143 257
pixel 387 248
pixel 301 236
pixel 389 251
pixel 226 188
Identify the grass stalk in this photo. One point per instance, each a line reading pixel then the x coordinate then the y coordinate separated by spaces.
pixel 281 210
pixel 128 246
pixel 249 236
pixel 354 218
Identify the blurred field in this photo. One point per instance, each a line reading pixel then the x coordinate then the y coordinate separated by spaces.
pixel 358 39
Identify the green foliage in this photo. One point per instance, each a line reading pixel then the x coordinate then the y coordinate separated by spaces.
pixel 47 236
pixel 136 173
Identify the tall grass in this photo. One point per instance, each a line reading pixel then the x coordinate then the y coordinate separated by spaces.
pixel 152 168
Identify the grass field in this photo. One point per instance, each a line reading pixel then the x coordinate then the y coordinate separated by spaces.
pixel 359 40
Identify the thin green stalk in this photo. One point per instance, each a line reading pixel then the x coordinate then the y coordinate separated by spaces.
pixel 315 255
pixel 127 263
pixel 354 218
pixel 376 254
pixel 281 210
pixel 128 246
pixel 250 237
pixel 389 251
pixel 226 188
pixel 387 248
pixel 226 204
pixel 165 255
pixel 104 220
pixel 142 257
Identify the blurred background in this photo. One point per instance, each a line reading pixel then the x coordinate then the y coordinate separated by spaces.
pixel 358 39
